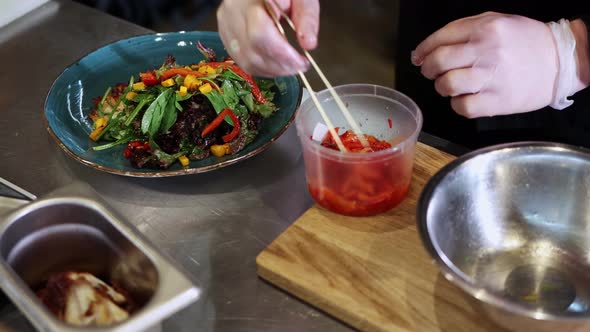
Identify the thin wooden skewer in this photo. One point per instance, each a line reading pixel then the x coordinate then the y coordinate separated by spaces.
pixel 312 94
pixel 323 113
pixel 339 102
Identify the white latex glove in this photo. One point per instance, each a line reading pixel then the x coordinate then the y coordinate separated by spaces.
pixel 253 41
pixel 492 64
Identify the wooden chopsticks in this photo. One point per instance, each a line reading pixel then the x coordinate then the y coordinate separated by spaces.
pixel 270 7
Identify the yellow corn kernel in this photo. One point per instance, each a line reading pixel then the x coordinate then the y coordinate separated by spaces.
pixel 211 70
pixel 168 83
pixel 94 134
pixel 207 70
pixel 130 95
pixel 191 82
pixel 183 161
pixel 205 88
pixel 188 68
pixel 138 86
pixel 182 91
pixel 100 122
pixel 99 126
pixel 219 150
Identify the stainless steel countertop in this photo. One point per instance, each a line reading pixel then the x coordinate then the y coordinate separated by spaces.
pixel 213 224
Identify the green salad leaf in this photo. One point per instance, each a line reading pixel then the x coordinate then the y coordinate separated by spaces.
pixel 229 95
pixel 170 114
pixel 229 74
pixel 216 100
pixel 152 118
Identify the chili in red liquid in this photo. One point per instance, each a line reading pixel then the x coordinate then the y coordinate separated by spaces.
pixel 360 189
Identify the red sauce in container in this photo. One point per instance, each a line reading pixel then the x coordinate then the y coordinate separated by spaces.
pixel 352 142
pixel 365 188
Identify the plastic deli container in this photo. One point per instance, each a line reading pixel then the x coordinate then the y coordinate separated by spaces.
pixel 360 184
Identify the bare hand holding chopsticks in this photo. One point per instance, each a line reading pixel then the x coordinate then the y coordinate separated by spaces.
pixel 253 41
pixel 285 55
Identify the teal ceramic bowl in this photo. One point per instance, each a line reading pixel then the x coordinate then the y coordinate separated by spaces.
pixel 69 100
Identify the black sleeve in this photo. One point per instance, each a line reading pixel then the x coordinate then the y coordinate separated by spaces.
pixel 417 20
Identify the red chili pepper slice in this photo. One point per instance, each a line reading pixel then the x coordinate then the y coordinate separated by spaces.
pixel 217 121
pixel 353 143
pixel 225 64
pixel 127 153
pixel 135 145
pixel 254 88
pixel 149 78
pixel 166 74
pixel 256 93
pixel 235 131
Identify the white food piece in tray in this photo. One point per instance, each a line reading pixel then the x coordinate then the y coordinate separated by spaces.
pixel 86 305
pixel 319 132
pixel 82 299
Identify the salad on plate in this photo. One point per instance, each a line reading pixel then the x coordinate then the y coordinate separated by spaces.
pixel 182 112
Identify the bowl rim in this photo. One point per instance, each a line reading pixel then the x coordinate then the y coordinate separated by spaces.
pixel 165 172
pixel 451 272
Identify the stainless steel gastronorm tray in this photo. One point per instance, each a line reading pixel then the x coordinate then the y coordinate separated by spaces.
pixel 74 230
pixel 12 196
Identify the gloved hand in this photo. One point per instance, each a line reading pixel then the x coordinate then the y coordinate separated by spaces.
pixel 493 64
pixel 253 41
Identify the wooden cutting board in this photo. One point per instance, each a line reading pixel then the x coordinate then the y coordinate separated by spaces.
pixel 373 273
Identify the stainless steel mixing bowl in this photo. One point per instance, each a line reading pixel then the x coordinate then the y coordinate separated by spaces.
pixel 510 225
